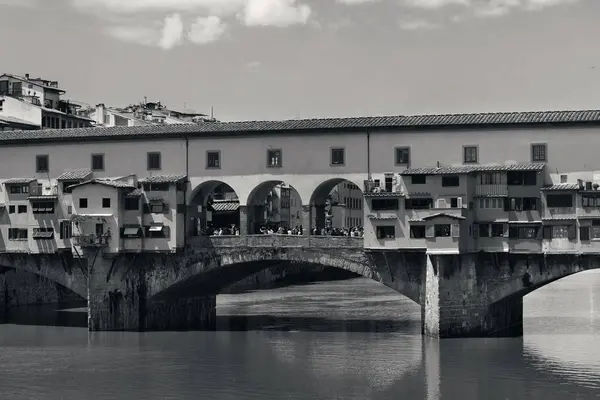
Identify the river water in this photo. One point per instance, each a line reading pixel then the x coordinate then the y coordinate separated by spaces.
pixel 335 340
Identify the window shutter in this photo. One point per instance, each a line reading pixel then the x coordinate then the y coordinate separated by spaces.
pixel 584 233
pixel 429 231
pixel 572 232
pixel 455 230
pixel 460 202
pixel 506 204
pixel 547 232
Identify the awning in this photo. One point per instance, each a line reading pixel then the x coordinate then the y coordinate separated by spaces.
pixel 42 198
pixel 132 231
pixel 95 215
pixel 43 235
pixel 156 228
pixel 225 206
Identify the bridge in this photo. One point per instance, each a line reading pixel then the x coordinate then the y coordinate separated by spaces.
pixel 466 295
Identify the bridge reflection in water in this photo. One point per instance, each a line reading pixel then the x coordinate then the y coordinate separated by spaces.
pixel 348 347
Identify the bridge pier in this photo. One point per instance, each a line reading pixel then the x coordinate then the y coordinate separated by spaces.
pixel 456 303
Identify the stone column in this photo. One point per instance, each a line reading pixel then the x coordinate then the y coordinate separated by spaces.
pixel 455 301
pixel 306 220
pixel 244 225
pixel 319 216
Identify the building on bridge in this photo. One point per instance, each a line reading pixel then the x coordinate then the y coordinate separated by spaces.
pixel 462 213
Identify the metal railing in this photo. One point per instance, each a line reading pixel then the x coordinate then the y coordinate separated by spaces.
pixel 91 240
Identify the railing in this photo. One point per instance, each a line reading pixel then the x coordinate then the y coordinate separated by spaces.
pixel 277 240
pixel 91 240
pixel 491 190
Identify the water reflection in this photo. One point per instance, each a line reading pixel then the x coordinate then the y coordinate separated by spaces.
pixel 338 340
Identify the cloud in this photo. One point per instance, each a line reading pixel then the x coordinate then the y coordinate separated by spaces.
pixel 253 64
pixel 434 4
pixel 206 30
pixel 19 3
pixel 354 2
pixel 280 13
pixel 172 32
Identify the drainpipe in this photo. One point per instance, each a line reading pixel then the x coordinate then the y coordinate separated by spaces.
pixel 185 205
pixel 368 154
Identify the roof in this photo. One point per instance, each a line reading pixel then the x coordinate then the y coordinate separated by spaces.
pixel 442 214
pixel 19 181
pixel 135 193
pixel 33 81
pixel 164 179
pixel 105 182
pixel 360 124
pixel 225 205
pixel 561 187
pixel 75 175
pixel 467 169
pixel 13 120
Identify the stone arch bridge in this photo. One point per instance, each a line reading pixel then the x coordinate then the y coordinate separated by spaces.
pixel 477 294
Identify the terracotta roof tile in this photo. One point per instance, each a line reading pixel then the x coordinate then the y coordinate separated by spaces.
pixel 19 181
pixel 164 179
pixel 467 169
pixel 75 175
pixel 105 182
pixel 561 187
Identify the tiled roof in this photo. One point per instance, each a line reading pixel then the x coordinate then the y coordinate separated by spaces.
pixel 225 205
pixel 561 187
pixel 441 214
pixel 384 194
pixel 14 120
pixel 19 181
pixel 135 193
pixel 105 182
pixel 75 175
pixel 164 179
pixel 467 169
pixel 354 123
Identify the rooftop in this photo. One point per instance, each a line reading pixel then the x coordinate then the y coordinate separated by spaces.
pixel 535 118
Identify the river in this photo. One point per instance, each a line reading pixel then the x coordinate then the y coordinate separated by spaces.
pixel 333 340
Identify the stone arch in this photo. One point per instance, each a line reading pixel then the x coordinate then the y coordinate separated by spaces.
pixel 203 197
pixel 214 272
pixel 62 270
pixel 322 203
pixel 265 195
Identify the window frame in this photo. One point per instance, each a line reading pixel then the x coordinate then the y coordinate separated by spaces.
pixel 332 151
pixel 532 151
pixel 470 147
pixel 445 177
pixel 148 159
pixel 208 154
pixel 397 152
pixel 101 155
pixel 104 204
pixel 269 153
pixel 39 157
pixel 83 202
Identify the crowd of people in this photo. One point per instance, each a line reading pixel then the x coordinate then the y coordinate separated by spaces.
pixel 233 230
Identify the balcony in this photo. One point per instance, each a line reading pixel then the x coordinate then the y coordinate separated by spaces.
pixel 371 190
pixel 90 240
pixel 498 190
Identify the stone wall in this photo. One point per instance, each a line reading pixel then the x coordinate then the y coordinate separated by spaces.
pixel 18 287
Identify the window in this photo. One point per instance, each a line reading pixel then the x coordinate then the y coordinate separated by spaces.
pixel 153 161
pixel 42 207
pixel 584 233
pixel 132 232
pixel 337 156
pixel 42 163
pixel 491 203
pixel 42 233
pixel 559 200
pixel 106 202
pixel 66 229
pixel 132 204
pixel 590 200
pixel 17 88
pixel 442 230
pixel 17 234
pixel 156 207
pixel 490 178
pixel 450 180
pixel 524 232
pixel 418 204
pixel 11 209
pixel 389 183
pixel 274 158
pixel 418 179
pixel 522 178
pixel 83 203
pixel 157 231
pixel 402 155
pixel 386 232
pixel 563 178
pixel 384 204
pixel 491 230
pixel 97 162
pixel 213 159
pixel 22 209
pixel 539 152
pixel 470 154
pixel 417 231
pixel 523 204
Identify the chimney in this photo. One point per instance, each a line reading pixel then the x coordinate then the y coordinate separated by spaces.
pixel 100 114
pixel 27 76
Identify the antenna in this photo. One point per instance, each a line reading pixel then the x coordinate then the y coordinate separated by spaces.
pixel 211 112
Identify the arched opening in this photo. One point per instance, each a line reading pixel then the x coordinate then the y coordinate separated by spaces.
pixel 337 209
pixel 214 210
pixel 275 207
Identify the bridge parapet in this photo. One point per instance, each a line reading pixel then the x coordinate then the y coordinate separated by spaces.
pixel 281 241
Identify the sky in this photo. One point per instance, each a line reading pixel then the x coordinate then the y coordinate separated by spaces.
pixel 285 59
